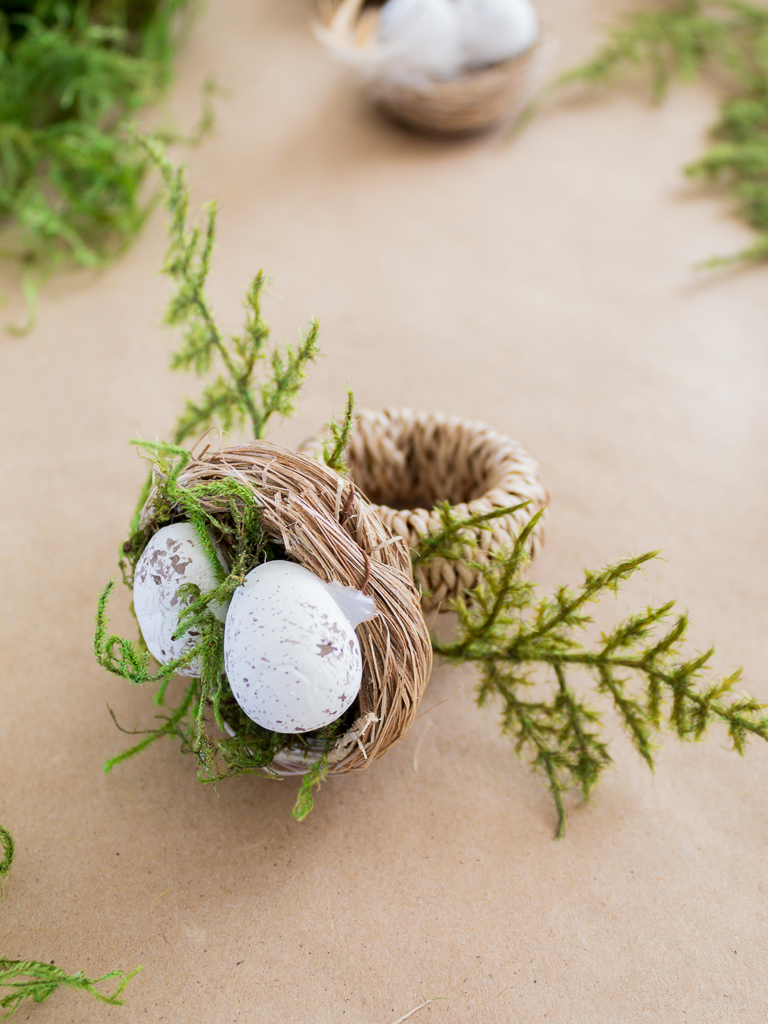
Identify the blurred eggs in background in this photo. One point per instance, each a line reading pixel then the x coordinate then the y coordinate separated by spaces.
pixel 409 41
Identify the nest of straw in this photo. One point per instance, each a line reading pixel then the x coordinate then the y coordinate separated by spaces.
pixel 323 522
pixel 407 462
pixel 476 100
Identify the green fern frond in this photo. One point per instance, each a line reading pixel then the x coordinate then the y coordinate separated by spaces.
pixel 726 42
pixel 334 447
pixel 519 640
pixel 8 849
pixel 32 979
pixel 71 173
pixel 236 397
pixel 35 980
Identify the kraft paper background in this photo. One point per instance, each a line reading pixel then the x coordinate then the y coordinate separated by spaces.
pixel 544 286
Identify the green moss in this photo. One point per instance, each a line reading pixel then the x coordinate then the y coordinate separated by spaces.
pixel 35 980
pixel 6 841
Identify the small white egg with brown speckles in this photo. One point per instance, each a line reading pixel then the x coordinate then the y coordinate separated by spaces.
pixel 495 30
pixel 174 556
pixel 291 655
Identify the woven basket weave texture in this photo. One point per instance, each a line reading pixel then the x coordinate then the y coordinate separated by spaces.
pixel 406 462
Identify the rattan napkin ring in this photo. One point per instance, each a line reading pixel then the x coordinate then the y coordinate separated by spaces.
pixel 323 522
pixel 406 462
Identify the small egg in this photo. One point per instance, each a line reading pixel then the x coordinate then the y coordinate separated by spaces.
pixel 291 655
pixel 174 556
pixel 495 30
pixel 418 39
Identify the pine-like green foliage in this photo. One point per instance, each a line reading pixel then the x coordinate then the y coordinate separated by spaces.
pixel 235 528
pixel 236 397
pixel 333 449
pixel 522 642
pixel 518 640
pixel 72 73
pixel 36 980
pixel 315 775
pixel 7 844
pixel 725 41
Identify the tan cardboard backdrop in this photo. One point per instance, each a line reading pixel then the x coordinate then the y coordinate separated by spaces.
pixel 545 287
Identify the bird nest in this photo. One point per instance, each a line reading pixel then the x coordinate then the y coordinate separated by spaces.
pixel 408 462
pixel 322 521
pixel 475 100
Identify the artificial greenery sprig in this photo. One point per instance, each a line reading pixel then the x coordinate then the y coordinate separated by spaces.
pixel 238 396
pixel 519 640
pixel 516 638
pixel 7 844
pixel 37 980
pixel 234 398
pixel 237 531
pixel 340 433
pixel 725 41
pixel 73 74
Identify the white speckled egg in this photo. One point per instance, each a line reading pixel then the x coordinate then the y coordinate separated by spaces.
pixel 419 38
pixel 291 655
pixel 495 30
pixel 174 556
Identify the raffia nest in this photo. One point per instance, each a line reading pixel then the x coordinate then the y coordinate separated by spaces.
pixel 476 100
pixel 406 462
pixel 324 523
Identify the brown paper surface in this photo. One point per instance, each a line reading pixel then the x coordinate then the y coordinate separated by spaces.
pixel 545 287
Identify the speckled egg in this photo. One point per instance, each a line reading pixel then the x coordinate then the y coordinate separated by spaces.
pixel 495 30
pixel 174 556
pixel 291 655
